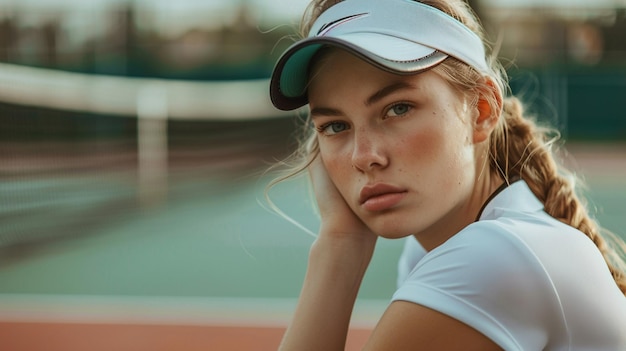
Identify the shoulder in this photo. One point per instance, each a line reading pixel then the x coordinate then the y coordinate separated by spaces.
pixel 487 277
pixel 487 258
pixel 488 246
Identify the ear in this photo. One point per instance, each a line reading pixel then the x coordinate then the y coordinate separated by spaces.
pixel 487 115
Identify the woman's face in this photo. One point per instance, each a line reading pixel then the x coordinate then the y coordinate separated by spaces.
pixel 400 149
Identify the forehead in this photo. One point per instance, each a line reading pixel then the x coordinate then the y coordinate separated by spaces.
pixel 332 64
pixel 335 68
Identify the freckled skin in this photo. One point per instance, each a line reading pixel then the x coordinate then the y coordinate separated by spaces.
pixel 428 151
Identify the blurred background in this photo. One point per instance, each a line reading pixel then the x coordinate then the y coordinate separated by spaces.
pixel 134 139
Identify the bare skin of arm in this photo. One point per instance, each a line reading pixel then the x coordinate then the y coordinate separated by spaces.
pixel 337 263
pixel 408 326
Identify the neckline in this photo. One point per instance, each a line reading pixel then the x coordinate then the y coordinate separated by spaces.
pixel 500 189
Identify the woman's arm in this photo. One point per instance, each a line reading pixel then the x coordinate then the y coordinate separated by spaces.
pixel 409 326
pixel 338 260
pixel 330 288
pixel 337 263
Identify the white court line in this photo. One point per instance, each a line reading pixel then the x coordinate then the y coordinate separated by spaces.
pixel 202 311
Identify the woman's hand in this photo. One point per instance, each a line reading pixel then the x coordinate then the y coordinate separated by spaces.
pixel 337 218
pixel 337 263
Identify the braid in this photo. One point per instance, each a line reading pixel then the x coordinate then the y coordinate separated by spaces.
pixel 523 149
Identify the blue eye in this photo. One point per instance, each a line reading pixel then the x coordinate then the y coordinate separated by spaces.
pixel 398 110
pixel 332 128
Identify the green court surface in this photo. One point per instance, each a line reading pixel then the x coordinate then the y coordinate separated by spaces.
pixel 216 239
pixel 219 240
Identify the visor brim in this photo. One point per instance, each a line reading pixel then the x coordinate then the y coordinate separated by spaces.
pixel 288 85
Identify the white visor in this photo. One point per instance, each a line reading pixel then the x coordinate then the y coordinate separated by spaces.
pixel 399 36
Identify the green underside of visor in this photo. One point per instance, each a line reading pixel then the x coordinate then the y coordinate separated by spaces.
pixel 295 75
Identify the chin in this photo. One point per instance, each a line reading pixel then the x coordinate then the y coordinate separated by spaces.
pixel 383 231
pixel 389 227
pixel 394 235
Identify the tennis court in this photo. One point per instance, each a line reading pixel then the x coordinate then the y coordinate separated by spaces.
pixel 210 269
pixel 132 211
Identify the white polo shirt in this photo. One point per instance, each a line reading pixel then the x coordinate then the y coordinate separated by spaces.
pixel 522 278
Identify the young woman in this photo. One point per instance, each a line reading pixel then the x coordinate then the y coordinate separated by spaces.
pixel 411 136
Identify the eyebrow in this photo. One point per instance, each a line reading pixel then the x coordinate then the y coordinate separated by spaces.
pixel 377 96
pixel 388 90
pixel 324 111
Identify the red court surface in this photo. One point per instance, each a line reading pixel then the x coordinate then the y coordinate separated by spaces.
pixel 120 337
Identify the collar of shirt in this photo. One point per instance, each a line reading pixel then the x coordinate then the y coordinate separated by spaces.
pixel 516 197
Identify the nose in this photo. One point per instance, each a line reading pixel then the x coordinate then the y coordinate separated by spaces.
pixel 368 153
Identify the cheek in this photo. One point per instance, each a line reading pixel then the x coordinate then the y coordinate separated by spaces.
pixel 459 163
pixel 421 146
pixel 439 150
pixel 331 155
pixel 338 165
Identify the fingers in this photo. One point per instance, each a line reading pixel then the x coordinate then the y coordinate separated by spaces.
pixel 338 219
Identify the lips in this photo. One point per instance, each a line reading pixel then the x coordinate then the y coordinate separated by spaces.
pixel 380 197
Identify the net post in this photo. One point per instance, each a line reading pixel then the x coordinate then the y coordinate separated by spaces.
pixel 152 144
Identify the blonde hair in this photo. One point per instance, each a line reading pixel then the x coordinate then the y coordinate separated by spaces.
pixel 518 147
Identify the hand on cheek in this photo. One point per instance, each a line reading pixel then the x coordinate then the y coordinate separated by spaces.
pixel 337 218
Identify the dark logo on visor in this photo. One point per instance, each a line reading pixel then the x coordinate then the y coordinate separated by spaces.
pixel 330 25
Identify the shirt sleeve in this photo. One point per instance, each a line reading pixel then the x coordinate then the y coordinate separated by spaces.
pixel 489 279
